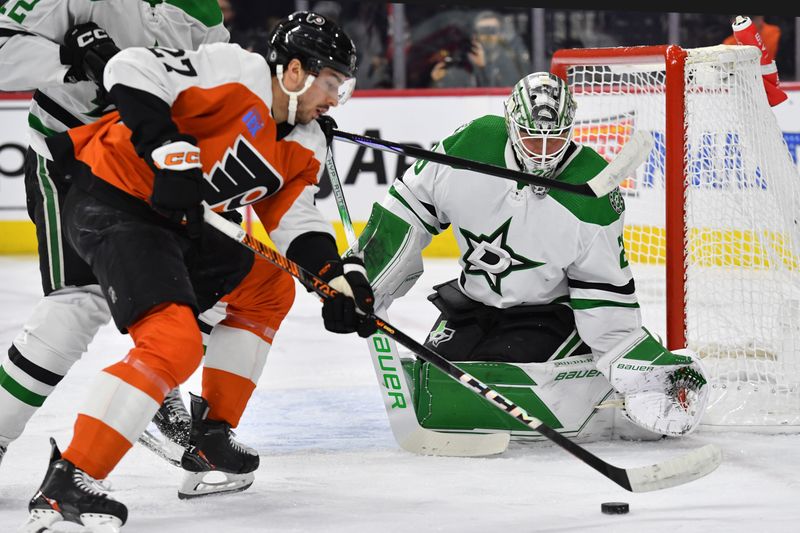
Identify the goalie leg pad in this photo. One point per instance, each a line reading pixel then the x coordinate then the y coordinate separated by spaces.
pixel 563 394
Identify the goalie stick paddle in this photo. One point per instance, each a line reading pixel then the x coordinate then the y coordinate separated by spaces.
pixel 633 153
pixel 407 431
pixel 676 471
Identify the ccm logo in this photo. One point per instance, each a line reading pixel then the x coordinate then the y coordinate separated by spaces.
pixel 178 158
pixel 91 36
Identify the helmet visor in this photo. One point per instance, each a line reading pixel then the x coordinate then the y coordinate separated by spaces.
pixel 335 84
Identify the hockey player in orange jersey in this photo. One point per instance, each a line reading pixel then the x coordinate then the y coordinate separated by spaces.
pixel 223 126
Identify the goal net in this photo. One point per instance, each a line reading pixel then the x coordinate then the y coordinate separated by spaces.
pixel 712 218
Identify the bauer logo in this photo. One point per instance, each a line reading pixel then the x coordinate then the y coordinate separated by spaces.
pixel 389 367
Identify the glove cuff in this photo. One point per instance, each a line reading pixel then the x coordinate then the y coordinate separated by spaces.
pixel 176 155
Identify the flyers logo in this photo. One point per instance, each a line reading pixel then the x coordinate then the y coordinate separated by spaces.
pixel 242 177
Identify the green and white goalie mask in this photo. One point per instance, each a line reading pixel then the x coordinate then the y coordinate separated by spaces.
pixel 539 114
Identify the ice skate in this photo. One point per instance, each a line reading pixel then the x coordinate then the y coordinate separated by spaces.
pixel 214 462
pixel 68 494
pixel 168 436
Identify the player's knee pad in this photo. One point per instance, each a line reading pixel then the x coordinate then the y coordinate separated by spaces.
pixel 167 343
pixel 61 327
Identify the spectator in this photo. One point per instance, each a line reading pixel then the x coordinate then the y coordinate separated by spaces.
pixel 491 57
pixel 498 57
pixel 770 34
pixel 368 30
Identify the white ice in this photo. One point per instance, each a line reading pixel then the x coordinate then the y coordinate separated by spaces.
pixel 329 462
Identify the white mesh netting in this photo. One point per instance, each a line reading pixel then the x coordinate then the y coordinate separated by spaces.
pixel 742 200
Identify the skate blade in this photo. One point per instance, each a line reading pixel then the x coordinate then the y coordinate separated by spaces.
pixel 51 521
pixel 197 484
pixel 163 447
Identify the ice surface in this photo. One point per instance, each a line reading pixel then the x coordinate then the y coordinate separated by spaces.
pixel 329 461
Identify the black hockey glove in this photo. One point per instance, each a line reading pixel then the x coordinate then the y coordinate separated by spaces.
pixel 328 125
pixel 86 49
pixel 178 181
pixel 344 313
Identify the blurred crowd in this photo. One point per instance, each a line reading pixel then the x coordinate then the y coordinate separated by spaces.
pixel 451 47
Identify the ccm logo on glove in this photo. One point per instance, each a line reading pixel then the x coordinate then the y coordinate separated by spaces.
pixel 179 155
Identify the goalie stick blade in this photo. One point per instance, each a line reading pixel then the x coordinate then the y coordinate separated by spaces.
pixel 428 442
pixel 633 154
pixel 675 471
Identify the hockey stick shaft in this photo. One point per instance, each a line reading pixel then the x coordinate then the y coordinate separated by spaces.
pixel 648 478
pixel 630 157
pixel 409 434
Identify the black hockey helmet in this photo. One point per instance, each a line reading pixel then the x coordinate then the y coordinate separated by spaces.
pixel 316 41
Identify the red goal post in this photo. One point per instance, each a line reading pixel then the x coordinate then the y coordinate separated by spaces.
pixel 711 218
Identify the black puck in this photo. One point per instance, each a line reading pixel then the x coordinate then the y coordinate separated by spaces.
pixel 614 508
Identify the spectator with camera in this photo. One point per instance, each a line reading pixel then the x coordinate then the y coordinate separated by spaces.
pixel 491 57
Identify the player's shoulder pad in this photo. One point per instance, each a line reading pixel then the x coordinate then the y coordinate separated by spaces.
pixel 583 165
pixel 207 12
pixel 483 139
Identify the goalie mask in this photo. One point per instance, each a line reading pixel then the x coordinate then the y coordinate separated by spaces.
pixel 539 114
pixel 318 43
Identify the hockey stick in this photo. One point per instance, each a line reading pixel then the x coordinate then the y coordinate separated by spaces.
pixel 670 473
pixel 633 154
pixel 407 431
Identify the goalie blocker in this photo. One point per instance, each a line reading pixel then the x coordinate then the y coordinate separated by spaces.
pixel 545 367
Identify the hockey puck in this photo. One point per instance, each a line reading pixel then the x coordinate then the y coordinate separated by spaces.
pixel 614 508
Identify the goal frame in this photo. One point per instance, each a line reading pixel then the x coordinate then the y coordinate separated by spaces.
pixel 674 59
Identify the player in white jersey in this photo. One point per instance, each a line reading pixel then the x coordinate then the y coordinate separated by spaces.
pixel 545 307
pixel 59 48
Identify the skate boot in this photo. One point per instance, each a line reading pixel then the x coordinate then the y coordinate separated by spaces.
pixel 212 455
pixel 172 422
pixel 69 494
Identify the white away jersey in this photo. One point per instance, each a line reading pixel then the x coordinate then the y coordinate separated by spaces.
pixel 32 30
pixel 517 247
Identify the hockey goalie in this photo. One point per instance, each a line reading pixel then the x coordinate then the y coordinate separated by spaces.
pixel 544 308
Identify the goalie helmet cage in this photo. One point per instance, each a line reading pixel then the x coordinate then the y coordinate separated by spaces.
pixel 711 223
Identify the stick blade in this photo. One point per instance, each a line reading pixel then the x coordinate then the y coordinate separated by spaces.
pixel 428 442
pixel 675 471
pixel 634 153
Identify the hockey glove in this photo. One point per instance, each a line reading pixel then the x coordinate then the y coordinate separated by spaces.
pixel 328 125
pixel 664 392
pixel 177 185
pixel 345 312
pixel 86 49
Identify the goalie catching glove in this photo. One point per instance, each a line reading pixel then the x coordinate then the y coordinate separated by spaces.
pixel 664 392
pixel 346 312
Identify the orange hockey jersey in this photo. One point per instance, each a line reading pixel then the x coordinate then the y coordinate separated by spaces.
pixel 222 96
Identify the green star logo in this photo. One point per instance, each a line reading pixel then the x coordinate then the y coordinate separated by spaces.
pixel 491 256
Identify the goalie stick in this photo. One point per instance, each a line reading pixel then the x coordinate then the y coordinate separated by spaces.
pixel 672 472
pixel 407 431
pixel 633 154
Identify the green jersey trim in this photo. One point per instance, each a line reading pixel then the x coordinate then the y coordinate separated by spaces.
pixel 580 304
pixel 585 165
pixel 428 227
pixel 18 391
pixel 207 12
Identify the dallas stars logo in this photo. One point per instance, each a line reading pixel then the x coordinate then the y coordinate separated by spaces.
pixel 491 257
